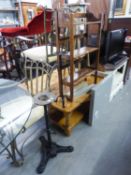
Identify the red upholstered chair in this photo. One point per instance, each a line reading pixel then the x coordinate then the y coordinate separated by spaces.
pixel 14 31
pixel 35 26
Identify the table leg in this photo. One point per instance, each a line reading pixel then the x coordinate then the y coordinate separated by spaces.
pixel 67 117
pixel 14 150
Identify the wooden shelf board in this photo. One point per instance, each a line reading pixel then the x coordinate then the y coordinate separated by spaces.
pixel 78 77
pixel 82 51
pixel 79 15
pixel 66 24
pixel 90 79
pixel 77 4
pixel 81 35
pixel 66 121
pixel 87 23
pixel 85 75
pixel 75 118
pixel 78 54
pixel 85 15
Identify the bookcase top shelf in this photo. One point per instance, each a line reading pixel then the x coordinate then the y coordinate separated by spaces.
pixel 67 25
pixel 65 20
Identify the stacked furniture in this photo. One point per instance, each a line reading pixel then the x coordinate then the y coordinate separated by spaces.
pixel 75 80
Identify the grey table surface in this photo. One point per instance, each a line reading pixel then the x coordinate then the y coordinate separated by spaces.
pixel 15 108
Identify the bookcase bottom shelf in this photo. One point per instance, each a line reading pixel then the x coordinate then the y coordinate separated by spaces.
pixel 67 121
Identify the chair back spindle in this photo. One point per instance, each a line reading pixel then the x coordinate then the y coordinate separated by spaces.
pixel 38 75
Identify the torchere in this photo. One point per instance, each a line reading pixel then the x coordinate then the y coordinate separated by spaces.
pixel 49 149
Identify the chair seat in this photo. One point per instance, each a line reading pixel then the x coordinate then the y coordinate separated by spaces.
pixel 39 54
pixel 14 31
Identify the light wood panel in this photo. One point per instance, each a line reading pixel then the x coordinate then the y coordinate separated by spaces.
pixel 100 6
pixel 26 6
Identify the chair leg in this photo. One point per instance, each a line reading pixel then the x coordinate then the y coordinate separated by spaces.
pixel 6 75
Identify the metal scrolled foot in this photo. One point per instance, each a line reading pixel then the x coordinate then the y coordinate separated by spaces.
pixel 12 150
pixel 50 150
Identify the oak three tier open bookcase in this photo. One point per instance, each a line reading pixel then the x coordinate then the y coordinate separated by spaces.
pixel 77 72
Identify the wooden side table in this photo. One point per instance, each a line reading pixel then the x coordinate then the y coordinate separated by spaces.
pixel 69 116
pixel 72 113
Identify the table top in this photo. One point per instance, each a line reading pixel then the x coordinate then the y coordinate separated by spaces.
pixel 15 108
pixel 71 106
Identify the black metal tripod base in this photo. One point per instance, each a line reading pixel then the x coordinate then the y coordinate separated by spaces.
pixel 50 150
